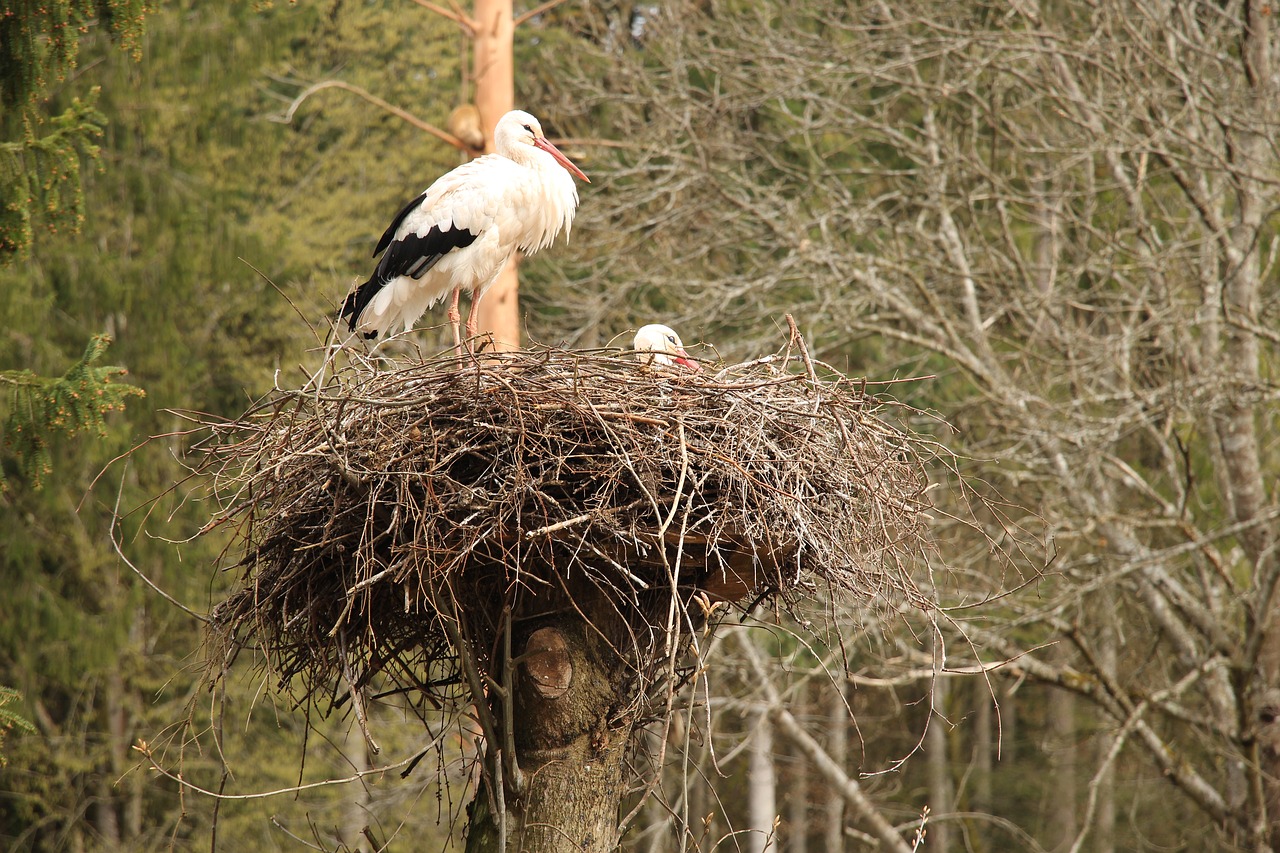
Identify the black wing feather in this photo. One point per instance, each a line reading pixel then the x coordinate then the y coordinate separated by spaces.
pixel 412 255
pixel 390 233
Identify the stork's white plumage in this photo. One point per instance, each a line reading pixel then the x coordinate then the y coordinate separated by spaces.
pixel 464 229
pixel 659 344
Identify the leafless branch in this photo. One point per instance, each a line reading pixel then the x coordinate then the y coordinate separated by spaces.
pixel 301 97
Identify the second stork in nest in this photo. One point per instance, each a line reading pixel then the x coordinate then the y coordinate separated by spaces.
pixel 660 345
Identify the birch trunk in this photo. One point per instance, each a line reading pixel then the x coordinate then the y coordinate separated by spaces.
pixel 797 797
pixel 1062 825
pixel 762 785
pixel 838 749
pixel 941 803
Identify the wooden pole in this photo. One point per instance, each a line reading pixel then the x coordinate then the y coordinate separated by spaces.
pixel 495 96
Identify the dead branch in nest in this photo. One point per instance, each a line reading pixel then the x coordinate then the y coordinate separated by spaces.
pixel 391 517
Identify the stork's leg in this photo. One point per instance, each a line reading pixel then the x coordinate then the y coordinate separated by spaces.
pixel 455 318
pixel 473 317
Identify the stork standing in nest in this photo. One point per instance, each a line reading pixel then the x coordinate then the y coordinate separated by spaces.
pixel 465 228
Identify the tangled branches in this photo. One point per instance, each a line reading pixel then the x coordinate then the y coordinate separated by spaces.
pixel 404 524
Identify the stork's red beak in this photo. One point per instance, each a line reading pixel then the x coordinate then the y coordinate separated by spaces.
pixel 682 359
pixel 545 144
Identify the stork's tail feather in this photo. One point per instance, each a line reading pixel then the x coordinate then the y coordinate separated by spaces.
pixel 357 301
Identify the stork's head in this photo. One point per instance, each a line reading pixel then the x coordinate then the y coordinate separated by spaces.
pixel 658 344
pixel 518 136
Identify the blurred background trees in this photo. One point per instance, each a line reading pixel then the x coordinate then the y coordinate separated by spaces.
pixel 1063 213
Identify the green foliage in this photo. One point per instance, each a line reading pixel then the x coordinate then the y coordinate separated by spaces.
pixel 40 40
pixel 41 182
pixel 75 402
pixel 41 155
pixel 10 720
pixel 40 174
pixel 195 177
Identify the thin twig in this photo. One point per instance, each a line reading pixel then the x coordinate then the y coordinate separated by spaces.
pixel 287 115
pixel 467 23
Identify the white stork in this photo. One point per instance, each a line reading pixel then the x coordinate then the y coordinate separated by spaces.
pixel 464 229
pixel 660 345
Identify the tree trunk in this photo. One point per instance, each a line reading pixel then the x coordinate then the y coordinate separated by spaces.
pixel 762 784
pixel 656 817
pixel 938 837
pixel 1237 422
pixel 1104 822
pixel 571 755
pixel 499 311
pixel 1062 770
pixel 838 749
pixel 355 809
pixel 797 797
pixel 1008 746
pixel 983 759
pixel 863 808
pixel 107 819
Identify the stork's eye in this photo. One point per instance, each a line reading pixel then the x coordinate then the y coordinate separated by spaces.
pixel 671 338
pixel 528 128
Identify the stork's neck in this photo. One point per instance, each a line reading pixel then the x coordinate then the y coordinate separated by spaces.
pixel 553 197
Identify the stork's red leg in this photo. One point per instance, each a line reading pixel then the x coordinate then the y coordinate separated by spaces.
pixel 473 318
pixel 455 318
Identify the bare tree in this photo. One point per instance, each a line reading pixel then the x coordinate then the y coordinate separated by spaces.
pixel 1066 212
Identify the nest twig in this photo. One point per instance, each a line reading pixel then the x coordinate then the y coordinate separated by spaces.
pixel 391 515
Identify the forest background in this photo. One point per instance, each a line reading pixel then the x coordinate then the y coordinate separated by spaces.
pixel 1061 214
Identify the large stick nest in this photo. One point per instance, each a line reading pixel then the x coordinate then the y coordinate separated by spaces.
pixel 391 515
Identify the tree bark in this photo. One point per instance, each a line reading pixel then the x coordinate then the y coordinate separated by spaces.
pixel 655 821
pixel 1237 423
pixel 1104 822
pixel 762 785
pixel 838 749
pixel 797 797
pixel 1062 770
pixel 983 759
pixel 570 753
pixel 499 311
pixel 355 808
pixel 941 794
pixel 107 818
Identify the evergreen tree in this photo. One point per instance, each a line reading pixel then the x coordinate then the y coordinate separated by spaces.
pixel 41 182
pixel 195 180
pixel 40 156
pixel 73 403
pixel 9 720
